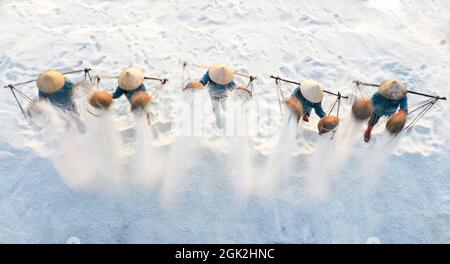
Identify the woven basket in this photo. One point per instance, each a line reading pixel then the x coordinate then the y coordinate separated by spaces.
pixel 140 100
pixel 101 100
pixel 295 106
pixel 327 124
pixel 396 122
pixel 362 109
pixel 194 85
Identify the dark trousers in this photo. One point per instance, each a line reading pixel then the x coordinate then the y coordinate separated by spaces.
pixel 374 118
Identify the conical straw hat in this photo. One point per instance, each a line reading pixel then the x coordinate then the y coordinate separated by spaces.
pixel 312 91
pixel 131 78
pixel 393 89
pixel 221 74
pixel 50 81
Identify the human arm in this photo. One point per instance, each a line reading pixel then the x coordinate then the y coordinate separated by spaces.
pixel 205 79
pixel 231 85
pixel 42 96
pixel 69 87
pixel 376 98
pixel 319 110
pixel 117 93
pixel 404 104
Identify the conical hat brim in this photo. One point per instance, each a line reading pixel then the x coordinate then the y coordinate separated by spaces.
pixel 312 91
pixel 221 74
pixel 50 81
pixel 131 78
pixel 393 89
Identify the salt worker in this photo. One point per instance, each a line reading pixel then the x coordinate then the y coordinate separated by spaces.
pixel 310 95
pixel 219 79
pixel 131 82
pixel 55 88
pixel 390 96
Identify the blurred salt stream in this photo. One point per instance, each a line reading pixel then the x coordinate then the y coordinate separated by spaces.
pixel 377 159
pixel 107 150
pixel 240 156
pixel 280 161
pixel 88 161
pixel 147 159
pixel 242 174
pixel 89 164
pixel 331 153
pixel 323 40
pixel 182 156
pixel 182 151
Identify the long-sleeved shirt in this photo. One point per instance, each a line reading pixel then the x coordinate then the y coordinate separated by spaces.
pixel 129 94
pixel 383 106
pixel 217 90
pixel 307 105
pixel 62 98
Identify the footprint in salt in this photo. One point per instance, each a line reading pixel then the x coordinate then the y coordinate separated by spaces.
pixel 284 70
pixel 98 61
pixel 420 129
pixel 95 42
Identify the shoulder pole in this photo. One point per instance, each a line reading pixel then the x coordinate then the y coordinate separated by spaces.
pixel 298 83
pixel 86 71
pixel 162 80
pixel 428 95
pixel 411 92
pixel 251 77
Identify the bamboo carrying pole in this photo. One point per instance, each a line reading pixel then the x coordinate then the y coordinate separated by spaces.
pixel 251 77
pixel 411 92
pixel 162 80
pixel 298 83
pixel 86 70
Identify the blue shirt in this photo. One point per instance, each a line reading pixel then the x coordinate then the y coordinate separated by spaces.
pixel 307 105
pixel 383 106
pixel 62 98
pixel 129 94
pixel 217 90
